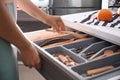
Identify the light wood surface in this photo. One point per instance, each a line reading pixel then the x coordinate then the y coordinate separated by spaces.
pixel 99 70
pixel 41 34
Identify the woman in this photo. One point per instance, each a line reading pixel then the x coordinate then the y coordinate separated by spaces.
pixel 10 33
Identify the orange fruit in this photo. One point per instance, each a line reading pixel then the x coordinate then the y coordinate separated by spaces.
pixel 105 15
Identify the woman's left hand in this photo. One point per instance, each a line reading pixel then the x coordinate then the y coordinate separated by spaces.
pixel 56 23
pixel 53 21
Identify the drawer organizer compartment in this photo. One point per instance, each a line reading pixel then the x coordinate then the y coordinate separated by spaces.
pixel 66 57
pixel 108 51
pixel 98 68
pixel 93 49
pixel 61 40
pixel 77 47
pixel 111 75
pixel 77 58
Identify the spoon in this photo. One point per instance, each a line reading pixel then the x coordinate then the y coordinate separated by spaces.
pixel 75 34
pixel 106 53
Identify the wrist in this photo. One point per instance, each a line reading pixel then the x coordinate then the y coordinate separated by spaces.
pixel 46 19
pixel 25 46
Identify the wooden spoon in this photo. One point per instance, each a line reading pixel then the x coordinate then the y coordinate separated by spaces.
pixel 106 53
pixel 72 33
pixel 99 70
pixel 75 34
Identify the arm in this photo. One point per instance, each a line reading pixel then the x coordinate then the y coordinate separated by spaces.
pixel 10 32
pixel 34 11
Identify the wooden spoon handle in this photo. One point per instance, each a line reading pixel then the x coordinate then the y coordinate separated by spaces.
pixel 99 57
pixel 56 44
pixel 75 34
pixel 72 33
pixel 99 70
pixel 53 40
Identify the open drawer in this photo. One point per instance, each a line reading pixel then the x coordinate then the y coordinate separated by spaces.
pixel 75 67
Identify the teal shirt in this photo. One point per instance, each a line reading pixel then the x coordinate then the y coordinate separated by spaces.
pixel 8 64
pixel 12 10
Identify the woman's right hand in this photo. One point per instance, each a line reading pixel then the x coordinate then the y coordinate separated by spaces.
pixel 14 35
pixel 30 57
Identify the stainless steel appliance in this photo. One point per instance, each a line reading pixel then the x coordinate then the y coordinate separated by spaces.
pixel 61 7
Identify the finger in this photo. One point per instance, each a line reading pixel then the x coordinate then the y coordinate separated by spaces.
pixel 38 65
pixel 37 62
pixel 56 28
pixel 61 26
pixel 30 67
pixel 27 65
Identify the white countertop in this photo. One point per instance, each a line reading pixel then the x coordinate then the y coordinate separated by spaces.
pixel 106 33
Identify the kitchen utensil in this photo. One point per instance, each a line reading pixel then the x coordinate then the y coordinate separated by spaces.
pixel 99 70
pixel 54 40
pixel 75 34
pixel 102 69
pixel 88 55
pixel 106 53
pixel 59 43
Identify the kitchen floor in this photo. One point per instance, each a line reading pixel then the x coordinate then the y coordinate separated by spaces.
pixel 26 73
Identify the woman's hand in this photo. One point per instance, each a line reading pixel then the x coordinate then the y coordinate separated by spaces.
pixel 30 57
pixel 56 23
pixel 34 11
pixel 28 52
